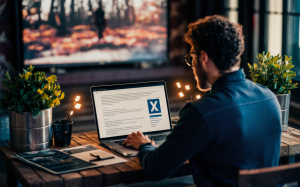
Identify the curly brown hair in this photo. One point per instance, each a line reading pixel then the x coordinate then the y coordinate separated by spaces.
pixel 222 40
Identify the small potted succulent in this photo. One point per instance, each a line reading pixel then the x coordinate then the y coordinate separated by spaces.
pixel 274 72
pixel 30 98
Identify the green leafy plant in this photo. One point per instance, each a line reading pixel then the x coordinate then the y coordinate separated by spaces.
pixel 274 72
pixel 30 92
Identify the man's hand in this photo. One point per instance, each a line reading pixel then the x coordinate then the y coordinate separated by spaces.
pixel 137 139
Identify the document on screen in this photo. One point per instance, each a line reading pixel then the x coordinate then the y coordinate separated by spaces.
pixel 123 111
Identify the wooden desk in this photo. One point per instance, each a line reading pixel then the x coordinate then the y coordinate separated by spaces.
pixel 124 173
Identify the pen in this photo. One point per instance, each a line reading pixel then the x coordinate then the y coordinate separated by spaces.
pixel 99 157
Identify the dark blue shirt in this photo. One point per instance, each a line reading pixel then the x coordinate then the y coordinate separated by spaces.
pixel 236 126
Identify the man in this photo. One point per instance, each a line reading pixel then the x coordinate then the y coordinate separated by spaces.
pixel 100 20
pixel 235 126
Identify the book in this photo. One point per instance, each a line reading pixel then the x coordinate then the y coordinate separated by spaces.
pixel 69 159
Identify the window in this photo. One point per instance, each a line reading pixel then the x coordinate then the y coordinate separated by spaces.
pixel 281 29
pixel 292 44
pixel 256 20
pixel 274 22
pixel 231 10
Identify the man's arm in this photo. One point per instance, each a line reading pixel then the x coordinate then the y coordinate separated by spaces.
pixel 189 137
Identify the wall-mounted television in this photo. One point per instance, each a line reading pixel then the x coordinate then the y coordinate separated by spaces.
pixel 92 32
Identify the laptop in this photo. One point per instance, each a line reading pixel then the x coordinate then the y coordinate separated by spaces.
pixel 122 109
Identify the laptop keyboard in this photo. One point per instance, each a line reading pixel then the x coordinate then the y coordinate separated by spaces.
pixel 151 137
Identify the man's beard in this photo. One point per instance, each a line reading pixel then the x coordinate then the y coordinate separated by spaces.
pixel 201 78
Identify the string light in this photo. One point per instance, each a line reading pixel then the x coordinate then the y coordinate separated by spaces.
pixel 77 98
pixel 78 106
pixel 75 105
pixel 181 93
pixel 187 87
pixel 198 96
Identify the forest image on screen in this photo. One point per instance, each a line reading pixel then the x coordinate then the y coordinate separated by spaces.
pixel 93 31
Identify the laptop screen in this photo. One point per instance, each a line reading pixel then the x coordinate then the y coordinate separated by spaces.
pixel 123 109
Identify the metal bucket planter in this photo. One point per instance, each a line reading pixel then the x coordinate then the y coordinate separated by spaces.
pixel 29 134
pixel 284 102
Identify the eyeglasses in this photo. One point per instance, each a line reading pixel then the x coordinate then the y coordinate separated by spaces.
pixel 189 59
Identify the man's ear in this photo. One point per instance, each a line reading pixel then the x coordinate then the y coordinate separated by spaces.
pixel 203 57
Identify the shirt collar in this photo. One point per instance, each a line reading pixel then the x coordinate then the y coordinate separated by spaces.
pixel 229 77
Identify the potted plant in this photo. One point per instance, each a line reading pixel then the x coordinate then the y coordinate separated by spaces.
pixel 274 72
pixel 30 99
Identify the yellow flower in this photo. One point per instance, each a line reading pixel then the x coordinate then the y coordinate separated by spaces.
pixel 40 91
pixel 52 79
pixel 296 84
pixel 276 65
pixel 30 68
pixel 286 58
pixel 57 93
pixel 249 65
pixel 256 75
pixel 62 95
pixel 277 72
pixel 255 65
pixel 56 102
pixel 28 75
pixel 45 97
pixel 290 81
pixel 47 86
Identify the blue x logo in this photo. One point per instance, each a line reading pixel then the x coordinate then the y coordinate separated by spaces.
pixel 154 106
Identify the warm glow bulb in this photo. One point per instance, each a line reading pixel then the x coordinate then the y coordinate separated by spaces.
pixel 178 84
pixel 187 87
pixel 198 96
pixel 77 106
pixel 71 113
pixel 77 98
pixel 181 94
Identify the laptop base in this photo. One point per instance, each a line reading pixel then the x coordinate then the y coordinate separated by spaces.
pixel 126 150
